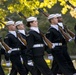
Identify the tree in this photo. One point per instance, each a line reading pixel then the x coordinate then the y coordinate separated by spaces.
pixel 30 7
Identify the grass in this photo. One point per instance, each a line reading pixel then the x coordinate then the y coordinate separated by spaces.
pixel 7 69
pixel 49 62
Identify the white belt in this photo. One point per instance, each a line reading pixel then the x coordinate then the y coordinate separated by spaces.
pixel 57 44
pixel 15 49
pixel 38 45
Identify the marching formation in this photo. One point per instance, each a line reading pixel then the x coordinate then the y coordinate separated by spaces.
pixel 26 50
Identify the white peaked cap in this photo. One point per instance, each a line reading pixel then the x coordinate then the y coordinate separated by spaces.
pixel 58 15
pixel 9 23
pixel 31 19
pixel 51 16
pixel 18 23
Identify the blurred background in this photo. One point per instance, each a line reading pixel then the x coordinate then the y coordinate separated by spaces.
pixel 8 8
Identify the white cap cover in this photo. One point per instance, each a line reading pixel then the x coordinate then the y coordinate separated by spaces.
pixel 9 23
pixel 31 19
pixel 58 15
pixel 18 23
pixel 51 16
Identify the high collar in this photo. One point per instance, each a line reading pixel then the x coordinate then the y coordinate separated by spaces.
pixel 55 26
pixel 22 31
pixel 13 32
pixel 61 24
pixel 35 29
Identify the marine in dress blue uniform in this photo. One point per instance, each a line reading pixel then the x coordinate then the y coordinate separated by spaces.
pixel 55 36
pixel 64 50
pixel 12 41
pixel 36 48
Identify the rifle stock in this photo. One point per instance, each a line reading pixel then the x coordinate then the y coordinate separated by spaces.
pixel 49 43
pixel 67 37
pixel 70 32
pixel 21 38
pixel 7 48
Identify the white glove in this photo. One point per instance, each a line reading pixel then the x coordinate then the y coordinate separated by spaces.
pixel 50 57
pixel 30 63
pixel 74 74
pixel 21 59
pixel 53 45
pixel 8 63
pixel 9 51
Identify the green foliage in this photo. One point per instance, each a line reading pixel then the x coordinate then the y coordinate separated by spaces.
pixel 29 7
pixel 72 48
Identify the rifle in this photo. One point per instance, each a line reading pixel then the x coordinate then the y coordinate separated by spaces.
pixel 43 12
pixel 70 32
pixel 21 38
pixel 9 19
pixel 24 18
pixel 2 22
pixel 49 43
pixel 67 37
pixel 7 48
pixel 22 15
